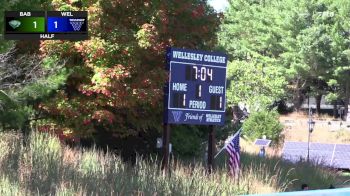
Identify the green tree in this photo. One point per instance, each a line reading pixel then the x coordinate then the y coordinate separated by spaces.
pixel 251 34
pixel 302 42
pixel 339 82
pixel 25 77
pixel 25 80
pixel 263 123
pixel 12 115
pixel 317 51
pixel 308 49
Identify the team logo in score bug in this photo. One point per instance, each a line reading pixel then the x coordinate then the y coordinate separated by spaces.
pixel 15 23
pixel 196 92
pixel 76 23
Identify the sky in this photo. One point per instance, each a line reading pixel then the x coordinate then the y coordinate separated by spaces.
pixel 219 5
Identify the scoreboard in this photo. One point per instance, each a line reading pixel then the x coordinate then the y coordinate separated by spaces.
pixel 196 90
pixel 63 25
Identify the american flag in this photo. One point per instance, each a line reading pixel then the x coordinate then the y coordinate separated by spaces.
pixel 233 150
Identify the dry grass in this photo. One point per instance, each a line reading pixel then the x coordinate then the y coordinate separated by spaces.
pixel 325 131
pixel 44 166
pixel 304 115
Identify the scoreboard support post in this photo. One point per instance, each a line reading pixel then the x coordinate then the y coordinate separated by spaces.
pixel 211 148
pixel 166 141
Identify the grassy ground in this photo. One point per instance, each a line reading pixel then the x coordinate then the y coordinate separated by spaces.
pixel 45 166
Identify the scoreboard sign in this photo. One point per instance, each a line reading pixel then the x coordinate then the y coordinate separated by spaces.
pixel 63 25
pixel 195 93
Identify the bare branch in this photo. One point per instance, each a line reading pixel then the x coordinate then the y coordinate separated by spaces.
pixel 17 71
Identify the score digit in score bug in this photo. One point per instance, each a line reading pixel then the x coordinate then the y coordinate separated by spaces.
pixel 195 93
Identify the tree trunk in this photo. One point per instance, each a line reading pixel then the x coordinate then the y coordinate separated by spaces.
pixel 346 108
pixel 235 114
pixel 298 98
pixel 335 109
pixel 318 103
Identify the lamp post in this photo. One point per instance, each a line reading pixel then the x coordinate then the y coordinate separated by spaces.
pixel 311 128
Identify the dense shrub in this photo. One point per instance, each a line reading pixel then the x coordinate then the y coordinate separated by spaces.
pixel 186 140
pixel 262 123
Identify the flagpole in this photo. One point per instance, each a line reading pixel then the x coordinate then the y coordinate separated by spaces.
pixel 227 143
pixel 219 151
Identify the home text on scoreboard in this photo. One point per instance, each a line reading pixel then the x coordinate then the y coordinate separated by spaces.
pixel 196 90
pixel 62 25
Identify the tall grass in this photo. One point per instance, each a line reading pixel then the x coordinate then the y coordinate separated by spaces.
pixel 47 167
pixel 292 175
pixel 8 188
pixel 41 162
pixel 10 147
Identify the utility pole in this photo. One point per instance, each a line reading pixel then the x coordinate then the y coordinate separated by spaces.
pixel 311 124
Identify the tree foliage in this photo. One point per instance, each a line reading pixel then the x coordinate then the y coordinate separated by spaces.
pixel 288 49
pixel 263 123
pixel 251 35
pixel 26 80
pixel 12 116
pixel 117 76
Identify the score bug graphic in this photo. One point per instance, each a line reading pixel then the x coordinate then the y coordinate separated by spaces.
pixel 64 25
pixel 195 93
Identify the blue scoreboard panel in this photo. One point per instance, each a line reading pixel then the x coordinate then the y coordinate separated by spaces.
pixel 196 91
pixel 63 25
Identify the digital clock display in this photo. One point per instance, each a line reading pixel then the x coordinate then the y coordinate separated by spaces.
pixel 196 90
pixel 196 72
